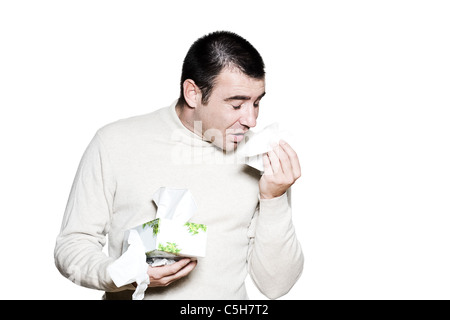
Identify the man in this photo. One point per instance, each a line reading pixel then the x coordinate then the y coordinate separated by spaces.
pixel 191 145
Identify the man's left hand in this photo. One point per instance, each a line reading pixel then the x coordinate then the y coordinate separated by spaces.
pixel 281 170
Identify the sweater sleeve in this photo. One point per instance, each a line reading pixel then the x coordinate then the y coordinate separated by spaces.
pixel 78 250
pixel 275 257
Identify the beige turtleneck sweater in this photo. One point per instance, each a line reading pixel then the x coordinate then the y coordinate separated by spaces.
pixel 126 162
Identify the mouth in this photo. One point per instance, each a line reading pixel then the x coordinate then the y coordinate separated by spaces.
pixel 237 137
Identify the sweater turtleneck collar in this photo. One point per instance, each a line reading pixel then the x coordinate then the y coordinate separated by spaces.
pixel 183 134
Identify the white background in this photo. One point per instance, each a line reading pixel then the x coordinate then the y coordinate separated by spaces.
pixel 363 86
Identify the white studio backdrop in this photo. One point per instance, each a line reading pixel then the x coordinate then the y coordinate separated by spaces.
pixel 362 85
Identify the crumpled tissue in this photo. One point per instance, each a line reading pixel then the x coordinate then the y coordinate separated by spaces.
pixel 262 142
pixel 142 243
pixel 131 266
pixel 158 262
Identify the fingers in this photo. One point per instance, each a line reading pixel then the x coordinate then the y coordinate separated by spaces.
pixel 179 274
pixel 281 170
pixel 185 270
pixel 293 159
pixel 267 166
pixel 177 266
pixel 271 163
pixel 283 158
pixel 285 163
pixel 165 275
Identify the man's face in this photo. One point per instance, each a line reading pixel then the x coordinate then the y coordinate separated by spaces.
pixel 232 108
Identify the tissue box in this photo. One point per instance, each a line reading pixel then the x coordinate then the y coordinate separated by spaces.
pixel 166 238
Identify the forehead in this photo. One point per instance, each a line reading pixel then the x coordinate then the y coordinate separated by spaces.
pixel 233 82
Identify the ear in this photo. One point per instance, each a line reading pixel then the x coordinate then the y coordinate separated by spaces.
pixel 192 93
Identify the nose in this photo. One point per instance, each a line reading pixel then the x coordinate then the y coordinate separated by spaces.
pixel 249 116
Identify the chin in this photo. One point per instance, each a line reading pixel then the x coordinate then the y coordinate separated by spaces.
pixel 227 146
pixel 231 146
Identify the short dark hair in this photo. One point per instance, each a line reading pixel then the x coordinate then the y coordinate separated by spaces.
pixel 211 53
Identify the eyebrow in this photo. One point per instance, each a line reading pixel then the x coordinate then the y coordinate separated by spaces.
pixel 244 97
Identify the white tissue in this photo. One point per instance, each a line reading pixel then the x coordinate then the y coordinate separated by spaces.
pixel 262 142
pixel 131 266
pixel 174 204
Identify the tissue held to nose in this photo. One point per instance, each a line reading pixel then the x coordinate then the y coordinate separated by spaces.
pixel 268 152
pixel 262 142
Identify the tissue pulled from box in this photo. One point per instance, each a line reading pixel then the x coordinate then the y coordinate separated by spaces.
pixel 262 142
pixel 131 266
pixel 171 235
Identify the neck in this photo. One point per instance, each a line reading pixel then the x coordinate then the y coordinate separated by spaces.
pixel 185 115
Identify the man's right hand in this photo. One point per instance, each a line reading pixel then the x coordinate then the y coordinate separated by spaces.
pixel 165 275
